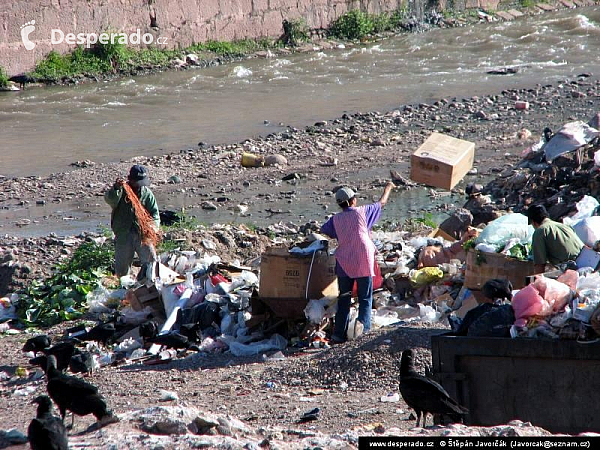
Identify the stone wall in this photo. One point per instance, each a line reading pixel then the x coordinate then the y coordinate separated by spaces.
pixel 181 22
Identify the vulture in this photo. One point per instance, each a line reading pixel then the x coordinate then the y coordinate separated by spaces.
pixel 37 343
pixel 497 289
pixel 423 394
pixel 46 431
pixel 76 395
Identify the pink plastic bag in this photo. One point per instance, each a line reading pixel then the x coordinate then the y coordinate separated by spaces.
pixel 527 303
pixel 557 294
pixel 569 278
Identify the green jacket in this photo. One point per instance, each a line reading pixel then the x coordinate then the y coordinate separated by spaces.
pixel 555 242
pixel 123 217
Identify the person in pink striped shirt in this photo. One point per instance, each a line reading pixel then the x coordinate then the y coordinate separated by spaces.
pixel 355 257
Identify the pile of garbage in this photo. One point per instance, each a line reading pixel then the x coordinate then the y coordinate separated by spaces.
pixel 558 171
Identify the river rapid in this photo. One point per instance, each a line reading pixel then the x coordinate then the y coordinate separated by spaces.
pixel 43 130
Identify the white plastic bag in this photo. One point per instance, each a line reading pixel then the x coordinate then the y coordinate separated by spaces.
pixel 588 229
pixel 275 342
pixel 505 228
pixel 315 311
pixel 585 208
pixel 569 138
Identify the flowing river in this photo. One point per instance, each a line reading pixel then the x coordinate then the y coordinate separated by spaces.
pixel 43 130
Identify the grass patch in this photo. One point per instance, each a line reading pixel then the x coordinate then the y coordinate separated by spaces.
pixel 3 78
pixel 528 3
pixel 356 24
pixel 63 296
pixel 113 58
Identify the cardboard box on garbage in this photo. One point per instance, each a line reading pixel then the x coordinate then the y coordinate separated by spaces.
pixel 283 275
pixel 143 297
pixel 442 161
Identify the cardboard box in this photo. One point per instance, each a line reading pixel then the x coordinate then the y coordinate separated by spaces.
pixel 143 297
pixel 442 161
pixel 283 275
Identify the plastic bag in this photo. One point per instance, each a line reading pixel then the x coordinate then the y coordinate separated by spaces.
pixel 569 278
pixel 569 138
pixel 527 303
pixel 275 342
pixel 557 294
pixel 7 307
pixel 505 228
pixel 315 311
pixel 494 323
pixel 426 275
pixel 591 281
pixel 585 305
pixel 588 229
pixel 585 209
pixel 428 314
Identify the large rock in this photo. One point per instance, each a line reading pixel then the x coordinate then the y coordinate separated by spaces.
pixel 272 160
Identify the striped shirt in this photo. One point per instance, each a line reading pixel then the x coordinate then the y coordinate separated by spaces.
pixel 355 254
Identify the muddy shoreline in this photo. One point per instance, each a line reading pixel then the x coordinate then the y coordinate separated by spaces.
pixel 210 184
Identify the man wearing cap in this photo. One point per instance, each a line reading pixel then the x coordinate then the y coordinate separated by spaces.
pixel 124 223
pixel 355 257
pixel 552 242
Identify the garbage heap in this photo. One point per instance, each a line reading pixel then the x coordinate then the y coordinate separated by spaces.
pixel 557 172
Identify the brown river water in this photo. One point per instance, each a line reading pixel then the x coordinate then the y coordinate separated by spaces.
pixel 43 130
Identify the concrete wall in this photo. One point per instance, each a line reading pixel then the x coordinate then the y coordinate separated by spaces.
pixel 182 22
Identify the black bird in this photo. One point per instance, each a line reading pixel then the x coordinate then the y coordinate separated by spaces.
pixel 37 343
pixel 22 79
pixel 76 395
pixel 423 394
pixel 172 339
pixel 46 431
pixel 497 289
pixel 149 329
pixel 82 363
pixel 63 352
pixel 103 332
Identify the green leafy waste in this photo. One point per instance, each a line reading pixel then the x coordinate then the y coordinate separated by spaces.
pixel 63 296
pixel 520 251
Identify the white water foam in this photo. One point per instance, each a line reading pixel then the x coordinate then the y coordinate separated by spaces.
pixel 241 72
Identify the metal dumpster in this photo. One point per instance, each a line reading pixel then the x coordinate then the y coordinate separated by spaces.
pixel 554 384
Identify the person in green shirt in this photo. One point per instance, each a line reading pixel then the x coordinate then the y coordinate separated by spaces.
pixel 552 242
pixel 123 222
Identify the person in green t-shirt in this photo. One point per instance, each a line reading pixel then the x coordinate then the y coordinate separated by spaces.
pixel 553 242
pixel 128 240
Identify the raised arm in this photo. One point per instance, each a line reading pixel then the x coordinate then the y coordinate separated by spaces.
pixel 386 193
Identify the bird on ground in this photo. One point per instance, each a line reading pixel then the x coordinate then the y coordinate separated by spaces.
pixel 76 395
pixel 46 431
pixel 103 332
pixel 37 343
pixel 172 339
pixel 82 363
pixel 423 394
pixel 63 352
pixel 22 79
pixel 148 329
pixel 497 289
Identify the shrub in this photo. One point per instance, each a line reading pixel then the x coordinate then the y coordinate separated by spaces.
pixel 352 25
pixel 3 78
pixel 294 32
